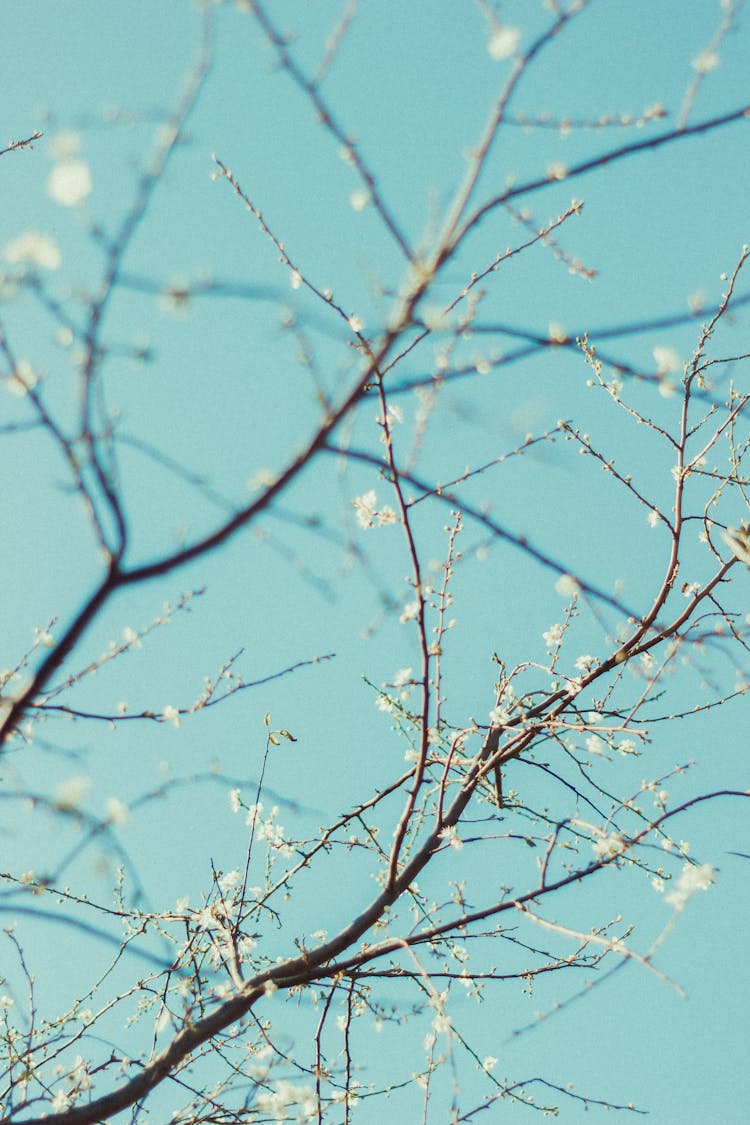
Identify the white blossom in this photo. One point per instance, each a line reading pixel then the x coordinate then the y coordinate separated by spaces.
pixel 366 507
pixel 706 61
pixel 692 878
pixel 60 1101
pixel 71 793
pixel 33 249
pixel 253 813
pixel 229 881
pixel 80 1074
pixel 69 182
pixel 667 360
pixel 117 811
pixel 386 515
pixel 171 715
pixel 553 636
pixel 594 744
pixel 557 171
pixel 383 702
pixel 738 542
pixel 503 42
pixel 607 847
pixel 410 611
pixel 453 838
pixel 566 586
pixel 284 1096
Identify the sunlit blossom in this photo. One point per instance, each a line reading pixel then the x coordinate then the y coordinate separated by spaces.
pixel 567 586
pixel 117 811
pixel 80 1074
pixel 253 813
pixel 229 881
pixel 370 514
pixel 608 846
pixel 410 611
pixel 706 61
pixel 557 171
pixel 70 794
pixel 553 636
pixel 738 542
pixel 595 744
pixel 34 249
pixel 692 878
pixel 69 182
pixel 667 359
pixel 171 715
pixel 452 837
pixel 503 42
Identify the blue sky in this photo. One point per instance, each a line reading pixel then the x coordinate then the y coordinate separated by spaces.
pixel 223 393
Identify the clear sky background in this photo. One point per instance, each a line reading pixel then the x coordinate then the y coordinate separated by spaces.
pixel 222 392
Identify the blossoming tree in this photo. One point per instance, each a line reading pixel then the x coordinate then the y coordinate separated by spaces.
pixel 441 562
